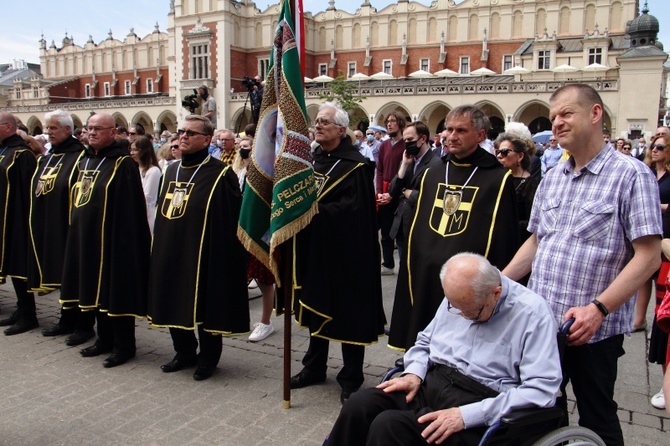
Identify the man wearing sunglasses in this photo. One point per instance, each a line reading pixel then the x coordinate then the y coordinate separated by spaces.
pixel 596 238
pixel 198 275
pixel 490 349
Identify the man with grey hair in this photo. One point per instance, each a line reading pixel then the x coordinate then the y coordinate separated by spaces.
pixel 465 204
pixel 17 165
pixel 490 349
pixel 338 248
pixel 50 221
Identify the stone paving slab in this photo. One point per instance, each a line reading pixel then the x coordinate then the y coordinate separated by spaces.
pixel 50 395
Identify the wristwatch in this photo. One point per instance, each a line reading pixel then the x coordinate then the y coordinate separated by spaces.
pixel 601 307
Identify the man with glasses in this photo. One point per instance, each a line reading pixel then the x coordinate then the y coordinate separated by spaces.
pixel 339 248
pixel 490 349
pixel 226 150
pixel 596 238
pixel 390 156
pixel 196 231
pixel 107 252
pixel 552 155
pixel 17 165
pixel 466 203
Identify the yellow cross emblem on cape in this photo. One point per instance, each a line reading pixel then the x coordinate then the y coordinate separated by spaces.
pixel 176 200
pixel 456 221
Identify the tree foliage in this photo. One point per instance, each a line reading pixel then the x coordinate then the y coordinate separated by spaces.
pixel 345 94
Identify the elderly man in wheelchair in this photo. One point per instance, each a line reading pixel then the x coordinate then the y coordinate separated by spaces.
pixel 490 350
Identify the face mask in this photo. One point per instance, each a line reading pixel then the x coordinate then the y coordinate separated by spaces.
pixel 218 143
pixel 371 138
pixel 163 140
pixel 244 153
pixel 357 143
pixel 412 148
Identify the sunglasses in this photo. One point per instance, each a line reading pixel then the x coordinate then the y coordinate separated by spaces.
pixel 626 148
pixel 190 133
pixel 658 147
pixel 174 147
pixel 503 152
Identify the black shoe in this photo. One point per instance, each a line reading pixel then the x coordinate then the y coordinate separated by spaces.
pixel 117 359
pixel 11 320
pixel 95 350
pixel 21 326
pixel 177 364
pixel 304 379
pixel 346 393
pixel 203 372
pixel 57 330
pixel 79 337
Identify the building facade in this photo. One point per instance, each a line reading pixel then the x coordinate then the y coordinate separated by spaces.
pixel 530 47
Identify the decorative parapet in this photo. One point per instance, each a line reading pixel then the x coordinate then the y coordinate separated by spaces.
pixel 84 105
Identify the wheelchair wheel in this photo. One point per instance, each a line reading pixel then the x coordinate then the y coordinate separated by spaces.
pixel 570 435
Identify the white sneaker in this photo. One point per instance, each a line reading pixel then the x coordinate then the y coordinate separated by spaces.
pixel 387 271
pixel 658 400
pixel 261 331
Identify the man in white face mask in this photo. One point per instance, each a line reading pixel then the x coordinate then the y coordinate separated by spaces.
pixel 371 144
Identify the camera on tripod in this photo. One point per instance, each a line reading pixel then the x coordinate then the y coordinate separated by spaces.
pixel 250 83
pixel 190 101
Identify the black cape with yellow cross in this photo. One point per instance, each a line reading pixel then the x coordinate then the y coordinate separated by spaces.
pixel 107 252
pixel 484 222
pixel 198 266
pixel 338 285
pixel 50 212
pixel 17 165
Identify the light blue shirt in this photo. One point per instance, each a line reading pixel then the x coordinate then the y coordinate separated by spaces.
pixel 514 353
pixel 550 159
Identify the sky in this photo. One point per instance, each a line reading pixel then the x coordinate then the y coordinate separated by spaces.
pixel 79 19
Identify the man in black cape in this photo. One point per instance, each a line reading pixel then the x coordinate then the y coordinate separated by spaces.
pixel 107 251
pixel 50 212
pixel 338 290
pixel 17 165
pixel 198 276
pixel 475 213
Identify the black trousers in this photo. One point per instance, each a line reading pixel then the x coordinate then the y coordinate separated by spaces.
pixel 82 320
pixel 117 332
pixel 186 345
pixel 25 301
pixel 316 362
pixel 373 417
pixel 385 216
pixel 592 369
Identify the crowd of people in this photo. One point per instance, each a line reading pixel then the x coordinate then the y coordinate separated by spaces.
pixel 497 246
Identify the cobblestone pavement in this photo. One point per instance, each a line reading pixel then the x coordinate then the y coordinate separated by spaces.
pixel 50 395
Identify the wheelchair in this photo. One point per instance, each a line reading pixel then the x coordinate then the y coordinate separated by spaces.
pixel 532 427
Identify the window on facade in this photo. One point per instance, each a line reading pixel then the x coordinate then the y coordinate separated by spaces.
pixel 387 66
pixel 36 92
pixel 150 85
pixel 352 69
pixel 323 69
pixel 465 65
pixel 126 87
pixel 200 61
pixel 263 65
pixel 87 90
pixel 18 93
pixel 107 89
pixel 544 60
pixel 424 65
pixel 595 55
pixel 507 62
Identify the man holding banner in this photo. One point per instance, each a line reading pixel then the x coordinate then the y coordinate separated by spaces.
pixel 341 242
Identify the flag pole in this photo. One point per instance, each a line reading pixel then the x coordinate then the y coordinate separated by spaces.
pixel 287 272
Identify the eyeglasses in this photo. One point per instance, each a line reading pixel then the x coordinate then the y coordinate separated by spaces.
pixel 388 121
pixel 132 133
pixel 503 152
pixel 658 147
pixel 190 133
pixel 98 129
pixel 323 122
pixel 458 312
pixel 176 146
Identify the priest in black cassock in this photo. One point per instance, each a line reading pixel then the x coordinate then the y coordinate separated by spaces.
pixel 338 293
pixel 50 212
pixel 106 260
pixel 17 164
pixel 198 277
pixel 466 204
